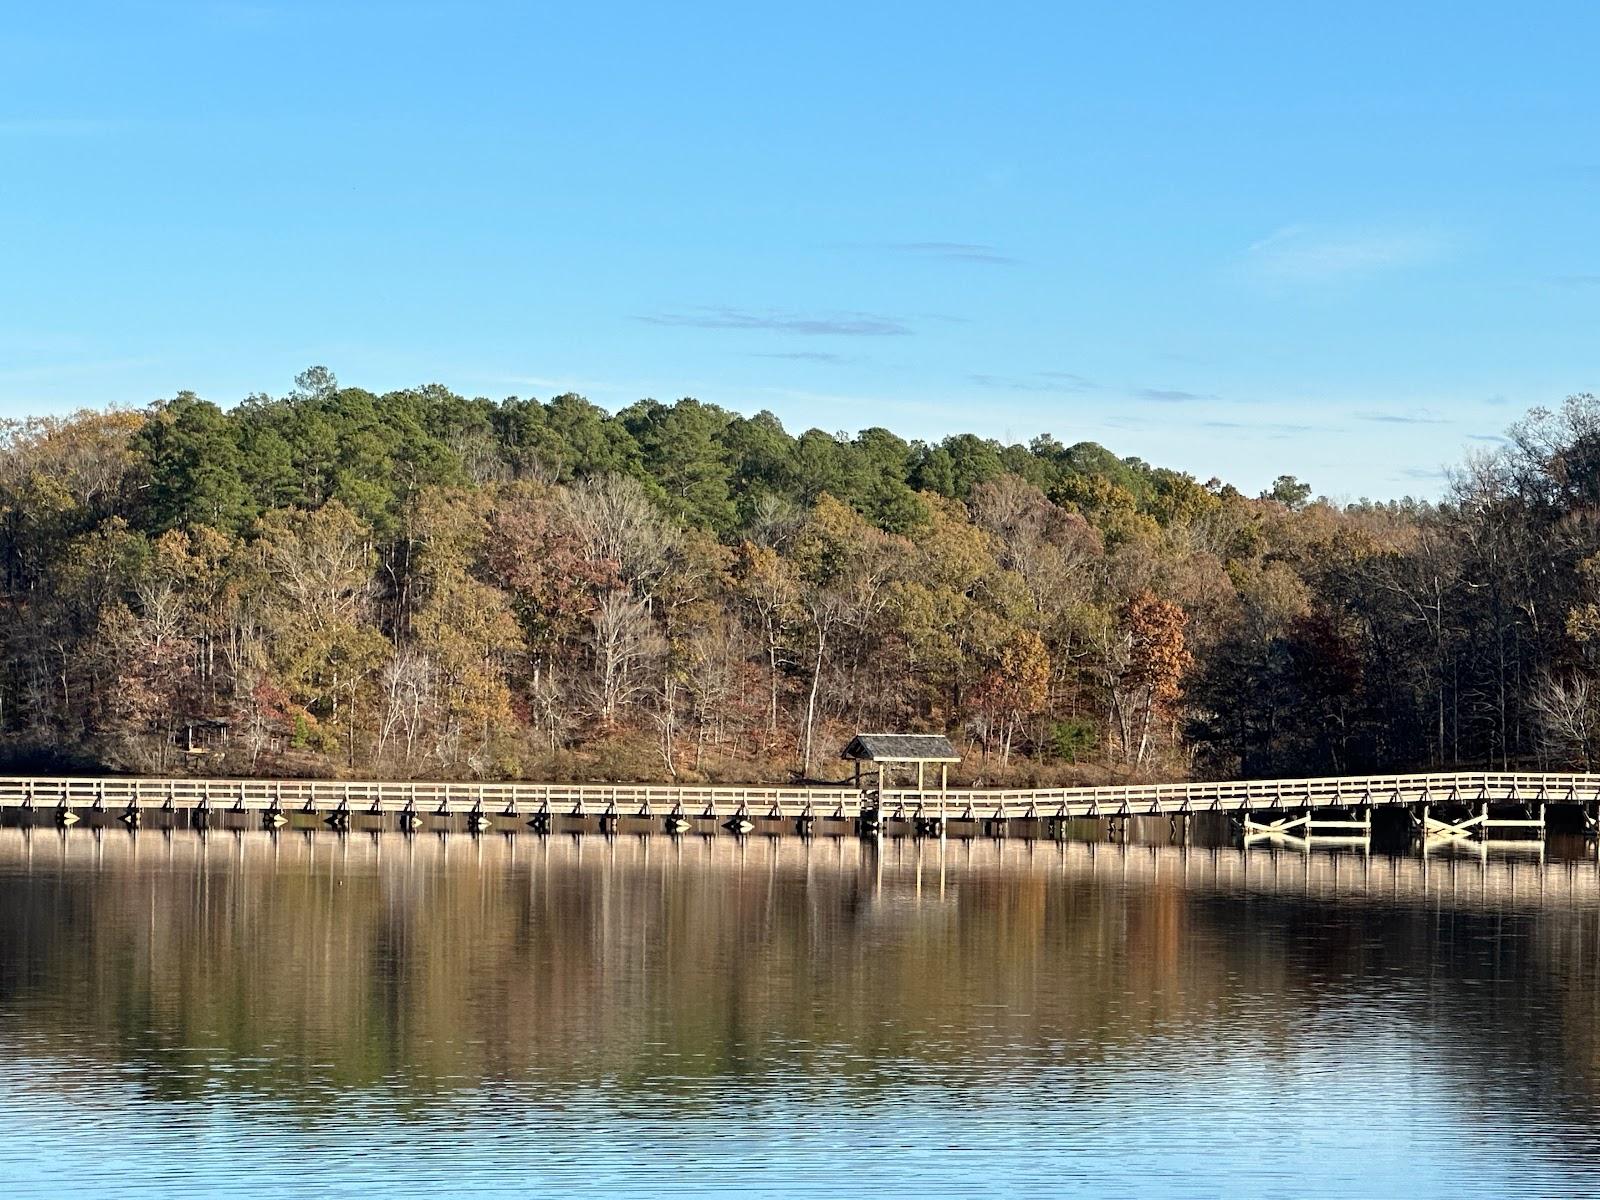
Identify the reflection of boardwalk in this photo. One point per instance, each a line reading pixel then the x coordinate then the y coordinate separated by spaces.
pixel 915 871
pixel 1496 879
pixel 1489 880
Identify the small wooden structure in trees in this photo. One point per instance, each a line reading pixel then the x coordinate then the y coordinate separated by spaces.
pixel 889 750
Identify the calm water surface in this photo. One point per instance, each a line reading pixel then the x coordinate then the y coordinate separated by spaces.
pixel 321 1015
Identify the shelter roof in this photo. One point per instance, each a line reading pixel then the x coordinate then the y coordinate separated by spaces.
pixel 901 747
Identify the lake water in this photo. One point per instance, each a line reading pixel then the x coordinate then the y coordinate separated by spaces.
pixel 185 1014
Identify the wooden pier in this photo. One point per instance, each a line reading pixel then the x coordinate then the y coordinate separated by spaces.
pixel 1454 806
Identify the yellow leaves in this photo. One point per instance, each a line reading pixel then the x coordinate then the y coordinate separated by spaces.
pixel 1024 658
pixel 197 558
pixel 833 542
pixel 1583 620
pixel 1583 623
pixel 1095 495
pixel 1272 592
pixel 951 551
pixel 698 576
pixel 1589 571
pixel 933 621
pixel 760 570
pixel 321 665
pixel 63 464
pixel 450 527
pixel 319 564
pixel 465 627
pixel 1179 500
pixel 463 618
pixel 1020 682
pixel 1109 506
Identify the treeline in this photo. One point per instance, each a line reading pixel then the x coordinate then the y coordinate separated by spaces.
pixel 422 584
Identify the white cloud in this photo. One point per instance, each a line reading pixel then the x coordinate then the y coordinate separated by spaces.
pixel 1307 254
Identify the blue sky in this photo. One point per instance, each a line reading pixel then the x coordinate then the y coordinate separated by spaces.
pixel 1347 241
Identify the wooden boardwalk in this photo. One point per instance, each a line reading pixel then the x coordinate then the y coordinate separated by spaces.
pixel 1451 805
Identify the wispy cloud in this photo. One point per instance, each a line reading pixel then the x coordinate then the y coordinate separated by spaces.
pixel 1421 417
pixel 1072 378
pixel 1306 254
pixel 1173 395
pixel 1275 429
pixel 845 324
pixel 1494 439
pixel 1058 382
pixel 971 252
pixel 816 356
pixel 555 385
pixel 853 407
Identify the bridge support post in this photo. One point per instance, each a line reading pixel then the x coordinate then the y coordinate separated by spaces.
pixel 1433 827
pixel 1285 828
pixel 1355 827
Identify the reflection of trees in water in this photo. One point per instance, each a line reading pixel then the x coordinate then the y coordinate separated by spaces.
pixel 448 961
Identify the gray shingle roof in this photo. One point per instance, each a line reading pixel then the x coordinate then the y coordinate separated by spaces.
pixel 901 747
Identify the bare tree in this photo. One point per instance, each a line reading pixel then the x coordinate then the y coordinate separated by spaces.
pixel 550 706
pixel 614 521
pixel 1567 719
pixel 409 696
pixel 623 643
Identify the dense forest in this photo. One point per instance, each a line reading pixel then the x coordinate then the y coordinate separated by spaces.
pixel 421 584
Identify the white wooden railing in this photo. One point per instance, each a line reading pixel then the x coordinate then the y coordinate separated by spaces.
pixel 287 795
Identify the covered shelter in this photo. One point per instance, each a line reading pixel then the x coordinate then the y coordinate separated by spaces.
pixel 888 750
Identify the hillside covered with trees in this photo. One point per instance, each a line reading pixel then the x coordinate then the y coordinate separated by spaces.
pixel 424 585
